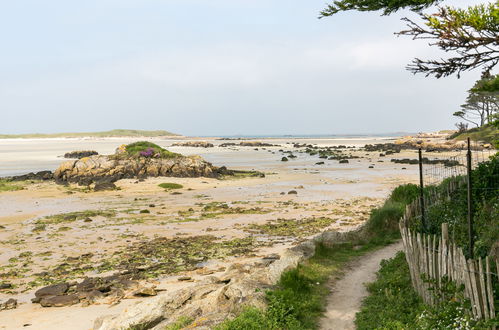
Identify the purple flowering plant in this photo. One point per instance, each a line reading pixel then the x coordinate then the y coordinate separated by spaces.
pixel 149 152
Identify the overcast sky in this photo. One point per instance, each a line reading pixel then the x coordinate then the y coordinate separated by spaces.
pixel 214 67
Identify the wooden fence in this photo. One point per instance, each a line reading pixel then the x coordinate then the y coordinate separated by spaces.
pixel 435 257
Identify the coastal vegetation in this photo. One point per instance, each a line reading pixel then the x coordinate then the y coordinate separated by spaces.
pixel 169 186
pixel 7 185
pixel 299 298
pixel 112 133
pixel 393 304
pixel 452 208
pixel 146 149
pixel 488 133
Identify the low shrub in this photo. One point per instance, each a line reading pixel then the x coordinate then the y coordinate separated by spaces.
pixel 170 185
pixel 148 149
pixel 405 193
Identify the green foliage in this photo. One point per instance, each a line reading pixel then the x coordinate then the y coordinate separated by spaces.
pixel 487 133
pixel 452 209
pixel 135 149
pixel 468 35
pixel 6 185
pixel 489 85
pixel 479 18
pixel 405 193
pixel 386 6
pixel 384 220
pixel 392 302
pixel 170 185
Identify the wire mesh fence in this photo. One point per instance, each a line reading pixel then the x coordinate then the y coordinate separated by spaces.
pixel 438 228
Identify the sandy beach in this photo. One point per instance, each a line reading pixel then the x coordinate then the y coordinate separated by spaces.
pixel 52 233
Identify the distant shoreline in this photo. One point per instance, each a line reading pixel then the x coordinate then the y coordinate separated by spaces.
pixel 116 133
pixel 125 133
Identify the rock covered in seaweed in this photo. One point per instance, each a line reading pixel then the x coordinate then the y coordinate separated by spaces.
pixel 194 144
pixel 80 154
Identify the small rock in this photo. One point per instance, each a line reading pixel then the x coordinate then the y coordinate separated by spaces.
pixel 344 161
pixel 185 278
pixel 371 166
pixel 152 205
pixel 284 159
pixel 319 163
pixel 5 285
pixel 292 192
pixel 9 304
pixel 60 301
pixel 145 292
pixel 105 186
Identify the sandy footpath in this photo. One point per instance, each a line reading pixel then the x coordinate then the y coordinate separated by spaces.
pixel 348 292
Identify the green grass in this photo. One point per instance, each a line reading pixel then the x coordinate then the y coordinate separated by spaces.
pixel 170 185
pixel 74 216
pixel 487 133
pixel 6 185
pixel 134 149
pixel 383 221
pixel 112 133
pixel 392 302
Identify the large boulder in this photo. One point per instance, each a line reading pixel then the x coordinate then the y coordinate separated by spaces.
pixel 98 169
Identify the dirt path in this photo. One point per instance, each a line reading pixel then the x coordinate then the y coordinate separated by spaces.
pixel 347 293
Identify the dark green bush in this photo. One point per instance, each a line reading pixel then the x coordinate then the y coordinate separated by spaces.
pixel 137 148
pixel 384 220
pixel 452 208
pixel 405 193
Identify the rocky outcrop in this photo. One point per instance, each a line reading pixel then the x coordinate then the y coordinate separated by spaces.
pixel 42 175
pixel 110 289
pixel 80 154
pixel 216 298
pixel 249 144
pixel 194 144
pixel 99 169
pixel 445 162
pixel 429 145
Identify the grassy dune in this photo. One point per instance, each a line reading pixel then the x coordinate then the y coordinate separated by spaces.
pixel 112 133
